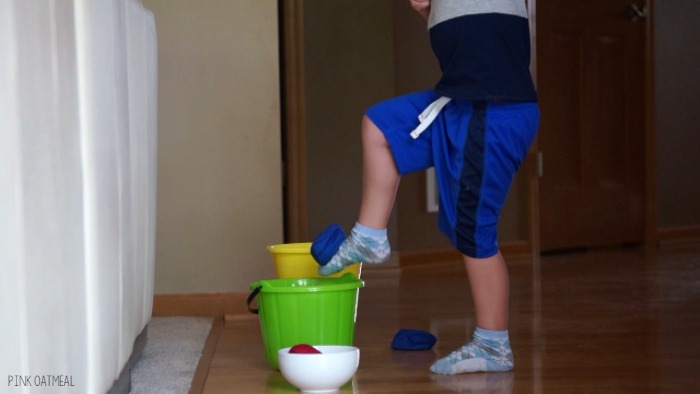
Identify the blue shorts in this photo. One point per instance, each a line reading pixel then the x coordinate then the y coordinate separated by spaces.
pixel 476 149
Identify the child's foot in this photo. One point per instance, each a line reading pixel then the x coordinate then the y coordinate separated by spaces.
pixel 489 351
pixel 363 245
pixel 476 382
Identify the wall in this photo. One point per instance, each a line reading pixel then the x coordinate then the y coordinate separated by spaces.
pixel 348 63
pixel 677 39
pixel 219 180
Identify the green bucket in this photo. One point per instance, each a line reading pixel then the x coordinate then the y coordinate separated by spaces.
pixel 315 311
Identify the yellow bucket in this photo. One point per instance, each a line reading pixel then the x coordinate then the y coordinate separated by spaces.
pixel 294 260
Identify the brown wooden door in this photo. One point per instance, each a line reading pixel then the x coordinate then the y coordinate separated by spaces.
pixel 591 69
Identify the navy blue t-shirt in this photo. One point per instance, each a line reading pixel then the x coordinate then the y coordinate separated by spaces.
pixel 483 48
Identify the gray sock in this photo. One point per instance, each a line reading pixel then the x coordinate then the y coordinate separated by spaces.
pixel 489 351
pixel 363 245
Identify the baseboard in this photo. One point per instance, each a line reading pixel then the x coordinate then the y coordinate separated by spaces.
pixel 215 305
pixel 513 250
pixel 678 234
pixel 233 306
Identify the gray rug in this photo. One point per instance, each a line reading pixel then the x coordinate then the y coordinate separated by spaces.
pixel 171 355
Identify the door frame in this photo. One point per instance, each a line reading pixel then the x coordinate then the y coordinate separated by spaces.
pixel 293 125
pixel 651 231
pixel 533 161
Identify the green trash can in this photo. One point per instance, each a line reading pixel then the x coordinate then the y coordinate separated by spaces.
pixel 315 311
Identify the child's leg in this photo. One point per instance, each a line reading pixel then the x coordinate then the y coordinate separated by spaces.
pixel 368 241
pixel 380 177
pixel 490 287
pixel 489 349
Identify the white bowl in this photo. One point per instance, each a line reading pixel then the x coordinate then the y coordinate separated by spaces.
pixel 319 373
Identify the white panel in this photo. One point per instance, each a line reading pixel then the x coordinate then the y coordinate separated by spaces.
pixel 77 171
pixel 139 219
pixel 12 305
pixel 45 192
pixel 101 121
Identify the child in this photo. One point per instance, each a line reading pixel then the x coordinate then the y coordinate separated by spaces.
pixel 475 127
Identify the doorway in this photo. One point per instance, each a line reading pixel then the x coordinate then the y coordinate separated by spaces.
pixel 592 69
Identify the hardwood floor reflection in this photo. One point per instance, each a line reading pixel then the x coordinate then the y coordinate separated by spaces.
pixel 609 321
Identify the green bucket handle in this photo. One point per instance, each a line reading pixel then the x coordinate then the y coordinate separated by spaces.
pixel 251 297
pixel 345 282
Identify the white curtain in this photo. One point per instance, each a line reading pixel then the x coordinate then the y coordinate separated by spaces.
pixel 77 188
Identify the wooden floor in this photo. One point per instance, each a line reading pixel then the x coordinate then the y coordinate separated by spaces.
pixel 609 321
